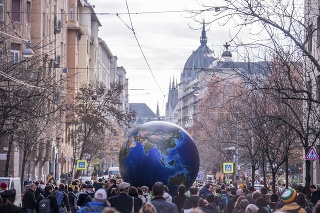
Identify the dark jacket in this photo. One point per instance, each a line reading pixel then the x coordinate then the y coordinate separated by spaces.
pixel 191 202
pixel 84 198
pixel 65 202
pixel 93 207
pixel 38 192
pixel 12 209
pixel 53 202
pixel 112 191
pixel 179 201
pixel 209 209
pixel 29 201
pixel 204 192
pixel 123 203
pixel 162 205
pixel 315 197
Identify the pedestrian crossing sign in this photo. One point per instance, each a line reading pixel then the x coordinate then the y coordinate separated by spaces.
pixel 228 168
pixel 312 154
pixel 81 165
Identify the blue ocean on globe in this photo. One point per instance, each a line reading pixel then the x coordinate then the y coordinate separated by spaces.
pixel 159 151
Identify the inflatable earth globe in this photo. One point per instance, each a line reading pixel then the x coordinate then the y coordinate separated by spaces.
pixel 159 151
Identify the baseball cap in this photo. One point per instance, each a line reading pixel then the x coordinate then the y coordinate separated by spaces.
pixel 100 195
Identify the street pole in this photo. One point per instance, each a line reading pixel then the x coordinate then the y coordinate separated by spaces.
pixel 236 170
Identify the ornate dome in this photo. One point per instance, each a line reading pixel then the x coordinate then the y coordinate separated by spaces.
pixel 200 59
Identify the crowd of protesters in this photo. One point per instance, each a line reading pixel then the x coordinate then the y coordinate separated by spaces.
pixel 112 196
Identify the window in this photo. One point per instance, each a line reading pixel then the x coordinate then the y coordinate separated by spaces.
pixel 28 12
pixel 14 56
pixel 71 12
pixel 15 53
pixel 16 11
pixel 1 10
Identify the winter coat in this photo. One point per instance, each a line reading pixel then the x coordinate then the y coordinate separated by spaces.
pixel 29 200
pixel 123 203
pixel 93 207
pixel 12 209
pixel 204 192
pixel 179 201
pixel 162 205
pixel 191 202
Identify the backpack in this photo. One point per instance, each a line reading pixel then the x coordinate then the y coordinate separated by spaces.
pixel 59 197
pixel 220 202
pixel 44 205
pixel 225 196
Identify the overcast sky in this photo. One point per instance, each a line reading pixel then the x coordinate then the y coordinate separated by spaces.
pixel 165 38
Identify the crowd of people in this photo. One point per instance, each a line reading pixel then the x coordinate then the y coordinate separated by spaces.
pixel 108 196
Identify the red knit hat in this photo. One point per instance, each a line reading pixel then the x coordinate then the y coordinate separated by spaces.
pixel 4 185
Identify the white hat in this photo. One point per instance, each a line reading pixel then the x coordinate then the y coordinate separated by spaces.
pixel 100 195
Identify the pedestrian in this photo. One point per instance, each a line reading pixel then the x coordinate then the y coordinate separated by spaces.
pixel 180 198
pixel 123 202
pixel 29 200
pixel 249 195
pixel 315 194
pixel 86 195
pixel 47 195
pixel 98 185
pixel 206 191
pixel 274 201
pixel 113 189
pixel 261 202
pixel 289 197
pixel 72 200
pixel 110 210
pixel 159 202
pixel 62 199
pixel 206 207
pixel 237 208
pixel 7 202
pixel 220 201
pixel 98 203
pixel 303 203
pixel 166 194
pixel 243 205
pixel 3 186
pixel 145 193
pixel 38 190
pixel 192 202
pixel 133 192
pixel 148 208
pixel 255 196
pixel 316 208
pixel 251 208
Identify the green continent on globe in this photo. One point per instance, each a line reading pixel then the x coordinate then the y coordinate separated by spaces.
pixel 178 179
pixel 155 139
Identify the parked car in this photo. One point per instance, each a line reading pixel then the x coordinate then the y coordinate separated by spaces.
pixel 14 183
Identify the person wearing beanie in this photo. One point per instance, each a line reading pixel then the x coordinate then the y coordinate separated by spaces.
pixel 98 203
pixel 3 186
pixel 289 197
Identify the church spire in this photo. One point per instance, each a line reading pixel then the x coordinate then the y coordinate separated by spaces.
pixel 203 38
pixel 158 113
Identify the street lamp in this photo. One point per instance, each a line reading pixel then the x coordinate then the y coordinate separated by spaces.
pixel 226 54
pixel 27 52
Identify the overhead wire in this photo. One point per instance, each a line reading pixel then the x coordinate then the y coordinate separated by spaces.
pixel 134 33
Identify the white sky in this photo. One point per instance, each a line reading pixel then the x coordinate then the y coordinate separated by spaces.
pixel 166 40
